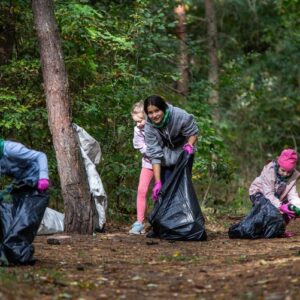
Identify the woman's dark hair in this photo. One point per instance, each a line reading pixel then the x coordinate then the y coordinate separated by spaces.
pixel 157 101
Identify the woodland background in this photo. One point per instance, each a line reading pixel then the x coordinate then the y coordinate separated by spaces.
pixel 234 64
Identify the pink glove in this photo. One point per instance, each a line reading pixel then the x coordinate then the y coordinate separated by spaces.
pixel 285 210
pixel 188 148
pixel 288 234
pixel 43 184
pixel 156 189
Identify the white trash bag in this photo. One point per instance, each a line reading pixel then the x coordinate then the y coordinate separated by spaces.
pixel 52 222
pixel 91 153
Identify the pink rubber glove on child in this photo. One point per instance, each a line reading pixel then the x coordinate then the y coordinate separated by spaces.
pixel 156 189
pixel 188 148
pixel 285 210
pixel 43 184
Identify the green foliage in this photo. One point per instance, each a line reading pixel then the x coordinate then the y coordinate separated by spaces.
pixel 260 88
pixel 119 52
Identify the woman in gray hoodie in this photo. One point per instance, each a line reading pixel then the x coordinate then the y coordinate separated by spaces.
pixel 169 130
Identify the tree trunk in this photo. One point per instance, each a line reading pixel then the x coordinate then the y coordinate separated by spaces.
pixel 78 203
pixel 213 73
pixel 7 35
pixel 183 59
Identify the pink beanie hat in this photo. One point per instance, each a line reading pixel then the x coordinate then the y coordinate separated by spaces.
pixel 287 160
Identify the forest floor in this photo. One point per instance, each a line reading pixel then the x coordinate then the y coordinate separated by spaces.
pixel 115 265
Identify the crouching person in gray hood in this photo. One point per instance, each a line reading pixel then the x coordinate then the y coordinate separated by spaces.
pixel 23 203
pixel 169 130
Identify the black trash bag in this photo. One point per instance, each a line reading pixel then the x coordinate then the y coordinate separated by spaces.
pixel 20 221
pixel 177 214
pixel 263 221
pixel 6 210
pixel 6 217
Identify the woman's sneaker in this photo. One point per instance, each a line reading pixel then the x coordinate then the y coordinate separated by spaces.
pixel 137 228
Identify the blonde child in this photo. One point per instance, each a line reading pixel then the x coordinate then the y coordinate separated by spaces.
pixel 146 174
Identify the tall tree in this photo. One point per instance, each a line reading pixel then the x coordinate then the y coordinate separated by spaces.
pixel 213 73
pixel 7 31
pixel 79 206
pixel 183 59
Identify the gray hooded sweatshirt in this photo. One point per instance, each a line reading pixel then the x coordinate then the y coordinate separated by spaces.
pixel 165 145
pixel 23 164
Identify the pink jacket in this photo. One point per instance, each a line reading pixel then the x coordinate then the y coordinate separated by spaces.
pixel 139 144
pixel 265 184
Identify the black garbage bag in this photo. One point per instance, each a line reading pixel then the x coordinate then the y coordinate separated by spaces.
pixel 177 214
pixel 263 221
pixel 20 220
pixel 6 210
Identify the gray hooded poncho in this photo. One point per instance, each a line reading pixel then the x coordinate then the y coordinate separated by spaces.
pixel 165 145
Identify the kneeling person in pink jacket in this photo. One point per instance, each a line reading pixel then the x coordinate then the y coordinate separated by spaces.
pixel 277 183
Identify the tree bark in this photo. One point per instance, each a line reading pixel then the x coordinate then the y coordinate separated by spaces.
pixel 183 58
pixel 78 203
pixel 213 73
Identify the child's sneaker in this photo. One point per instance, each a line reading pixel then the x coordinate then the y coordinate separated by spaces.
pixel 137 228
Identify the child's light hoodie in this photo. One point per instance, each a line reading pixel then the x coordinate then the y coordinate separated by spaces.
pixel 139 144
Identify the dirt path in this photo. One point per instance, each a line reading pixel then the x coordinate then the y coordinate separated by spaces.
pixel 115 265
